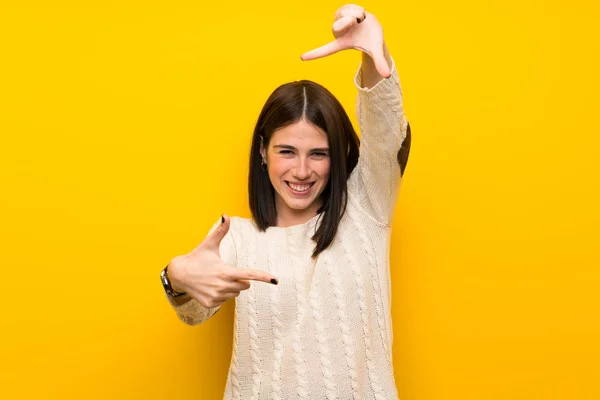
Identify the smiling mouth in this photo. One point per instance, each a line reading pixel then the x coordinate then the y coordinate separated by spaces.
pixel 300 188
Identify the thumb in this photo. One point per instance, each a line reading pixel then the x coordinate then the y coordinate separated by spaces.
pixel 380 62
pixel 217 233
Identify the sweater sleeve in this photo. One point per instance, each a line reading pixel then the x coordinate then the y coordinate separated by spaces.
pixel 374 183
pixel 192 312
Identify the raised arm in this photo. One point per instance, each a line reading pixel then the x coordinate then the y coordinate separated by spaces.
pixel 385 133
pixel 384 146
pixel 370 77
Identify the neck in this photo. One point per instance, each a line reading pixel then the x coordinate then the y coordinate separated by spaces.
pixel 287 216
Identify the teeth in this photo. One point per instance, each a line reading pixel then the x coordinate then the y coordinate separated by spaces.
pixel 299 188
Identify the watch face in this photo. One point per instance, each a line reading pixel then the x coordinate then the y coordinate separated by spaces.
pixel 167 285
pixel 165 281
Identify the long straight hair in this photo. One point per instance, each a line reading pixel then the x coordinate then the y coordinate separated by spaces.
pixel 288 104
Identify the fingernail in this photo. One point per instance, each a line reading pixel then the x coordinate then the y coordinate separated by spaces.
pixel 274 281
pixel 358 20
pixel 222 219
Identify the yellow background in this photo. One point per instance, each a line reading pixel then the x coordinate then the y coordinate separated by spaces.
pixel 124 133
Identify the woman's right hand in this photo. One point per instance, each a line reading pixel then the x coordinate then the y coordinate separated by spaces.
pixel 204 276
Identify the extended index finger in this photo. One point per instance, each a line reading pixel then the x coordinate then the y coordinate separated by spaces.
pixel 323 51
pixel 252 274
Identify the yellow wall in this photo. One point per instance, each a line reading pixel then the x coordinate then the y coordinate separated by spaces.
pixel 124 132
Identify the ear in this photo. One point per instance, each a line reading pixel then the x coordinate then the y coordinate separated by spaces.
pixel 262 148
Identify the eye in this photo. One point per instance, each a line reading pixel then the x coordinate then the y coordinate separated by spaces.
pixel 320 154
pixel 285 152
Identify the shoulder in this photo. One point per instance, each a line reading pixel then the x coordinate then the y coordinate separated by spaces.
pixel 242 225
pixel 357 217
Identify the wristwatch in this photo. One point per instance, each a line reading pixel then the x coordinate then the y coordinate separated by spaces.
pixel 164 278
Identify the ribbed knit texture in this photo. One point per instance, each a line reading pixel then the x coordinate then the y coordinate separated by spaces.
pixel 325 331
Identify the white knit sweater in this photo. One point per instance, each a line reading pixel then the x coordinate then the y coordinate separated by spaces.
pixel 325 331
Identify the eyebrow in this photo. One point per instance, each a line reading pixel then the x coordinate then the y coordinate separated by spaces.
pixel 287 146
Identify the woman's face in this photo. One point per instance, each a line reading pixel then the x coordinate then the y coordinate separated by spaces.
pixel 298 165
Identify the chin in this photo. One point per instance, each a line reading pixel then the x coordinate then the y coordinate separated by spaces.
pixel 299 205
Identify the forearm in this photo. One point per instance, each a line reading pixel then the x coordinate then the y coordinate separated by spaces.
pixel 382 122
pixel 181 300
pixel 370 76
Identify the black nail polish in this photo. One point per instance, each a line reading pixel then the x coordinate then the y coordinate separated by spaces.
pixel 274 281
pixel 222 219
pixel 358 21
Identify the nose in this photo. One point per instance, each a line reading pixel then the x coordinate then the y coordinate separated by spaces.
pixel 302 170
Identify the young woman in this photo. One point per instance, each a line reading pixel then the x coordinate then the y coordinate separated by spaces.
pixel 315 322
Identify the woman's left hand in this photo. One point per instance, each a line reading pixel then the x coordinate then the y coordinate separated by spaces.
pixel 354 28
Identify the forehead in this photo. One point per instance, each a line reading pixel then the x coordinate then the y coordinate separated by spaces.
pixel 301 134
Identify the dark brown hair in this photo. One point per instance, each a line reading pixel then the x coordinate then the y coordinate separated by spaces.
pixel 288 104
